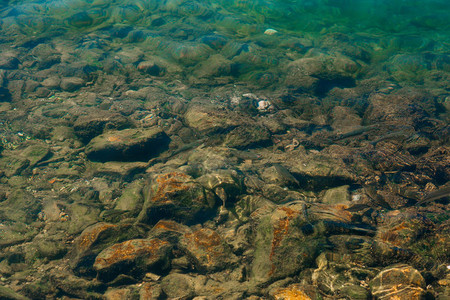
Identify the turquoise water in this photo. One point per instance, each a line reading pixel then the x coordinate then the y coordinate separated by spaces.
pixel 380 29
pixel 414 35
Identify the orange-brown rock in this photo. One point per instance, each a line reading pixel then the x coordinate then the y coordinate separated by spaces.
pixel 177 196
pixel 169 231
pixel 150 291
pixel 94 239
pixel 133 257
pixel 291 292
pixel 207 249
pixel 284 243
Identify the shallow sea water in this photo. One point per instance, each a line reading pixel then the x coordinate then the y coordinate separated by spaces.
pixel 224 149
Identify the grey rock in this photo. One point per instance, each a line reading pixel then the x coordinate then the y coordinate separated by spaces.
pixel 71 84
pixel 128 145
pixel 131 198
pixel 51 82
pixel 90 125
pixel 179 286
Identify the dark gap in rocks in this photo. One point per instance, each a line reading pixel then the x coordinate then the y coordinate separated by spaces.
pixel 317 183
pixel 326 85
pixel 5 95
pixel 33 43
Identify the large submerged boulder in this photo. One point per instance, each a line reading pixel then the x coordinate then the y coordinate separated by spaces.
pixel 128 145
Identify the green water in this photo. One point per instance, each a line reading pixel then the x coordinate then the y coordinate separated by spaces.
pixel 372 31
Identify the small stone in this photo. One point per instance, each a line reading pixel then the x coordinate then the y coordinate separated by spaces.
pixel 51 82
pixel 270 31
pixel 293 291
pixel 178 286
pixel 71 84
pixel 263 105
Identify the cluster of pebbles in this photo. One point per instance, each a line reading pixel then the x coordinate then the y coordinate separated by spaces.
pixel 181 150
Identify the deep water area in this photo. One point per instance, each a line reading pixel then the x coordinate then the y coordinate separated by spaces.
pixel 224 149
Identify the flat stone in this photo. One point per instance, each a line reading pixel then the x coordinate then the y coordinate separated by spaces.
pixel 315 170
pixel 133 257
pixel 178 286
pixel 88 126
pixel 209 119
pixel 71 84
pixel 127 145
pixel 281 246
pixel 150 290
pixel 116 169
pixel 51 82
pixel 207 249
pixel 17 160
pixel 177 196
pixel 398 282
pixel 338 195
pixel 131 198
pixel 94 239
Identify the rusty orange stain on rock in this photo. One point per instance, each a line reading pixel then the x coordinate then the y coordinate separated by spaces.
pixel 397 235
pixel 280 230
pixel 128 250
pixel 207 240
pixel 90 235
pixel 168 184
pixel 169 225
pixel 292 292
pixel 114 138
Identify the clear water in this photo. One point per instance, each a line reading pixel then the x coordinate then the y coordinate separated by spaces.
pixel 366 49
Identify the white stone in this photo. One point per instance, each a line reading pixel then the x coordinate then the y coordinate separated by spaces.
pixel 270 31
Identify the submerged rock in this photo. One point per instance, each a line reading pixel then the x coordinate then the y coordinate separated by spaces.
pixel 398 281
pixel 71 84
pixel 93 240
pixel 127 145
pixel 9 294
pixel 88 126
pixel 319 73
pixel 176 196
pixel 134 257
pixel 277 235
pixel 210 119
pixel 207 250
